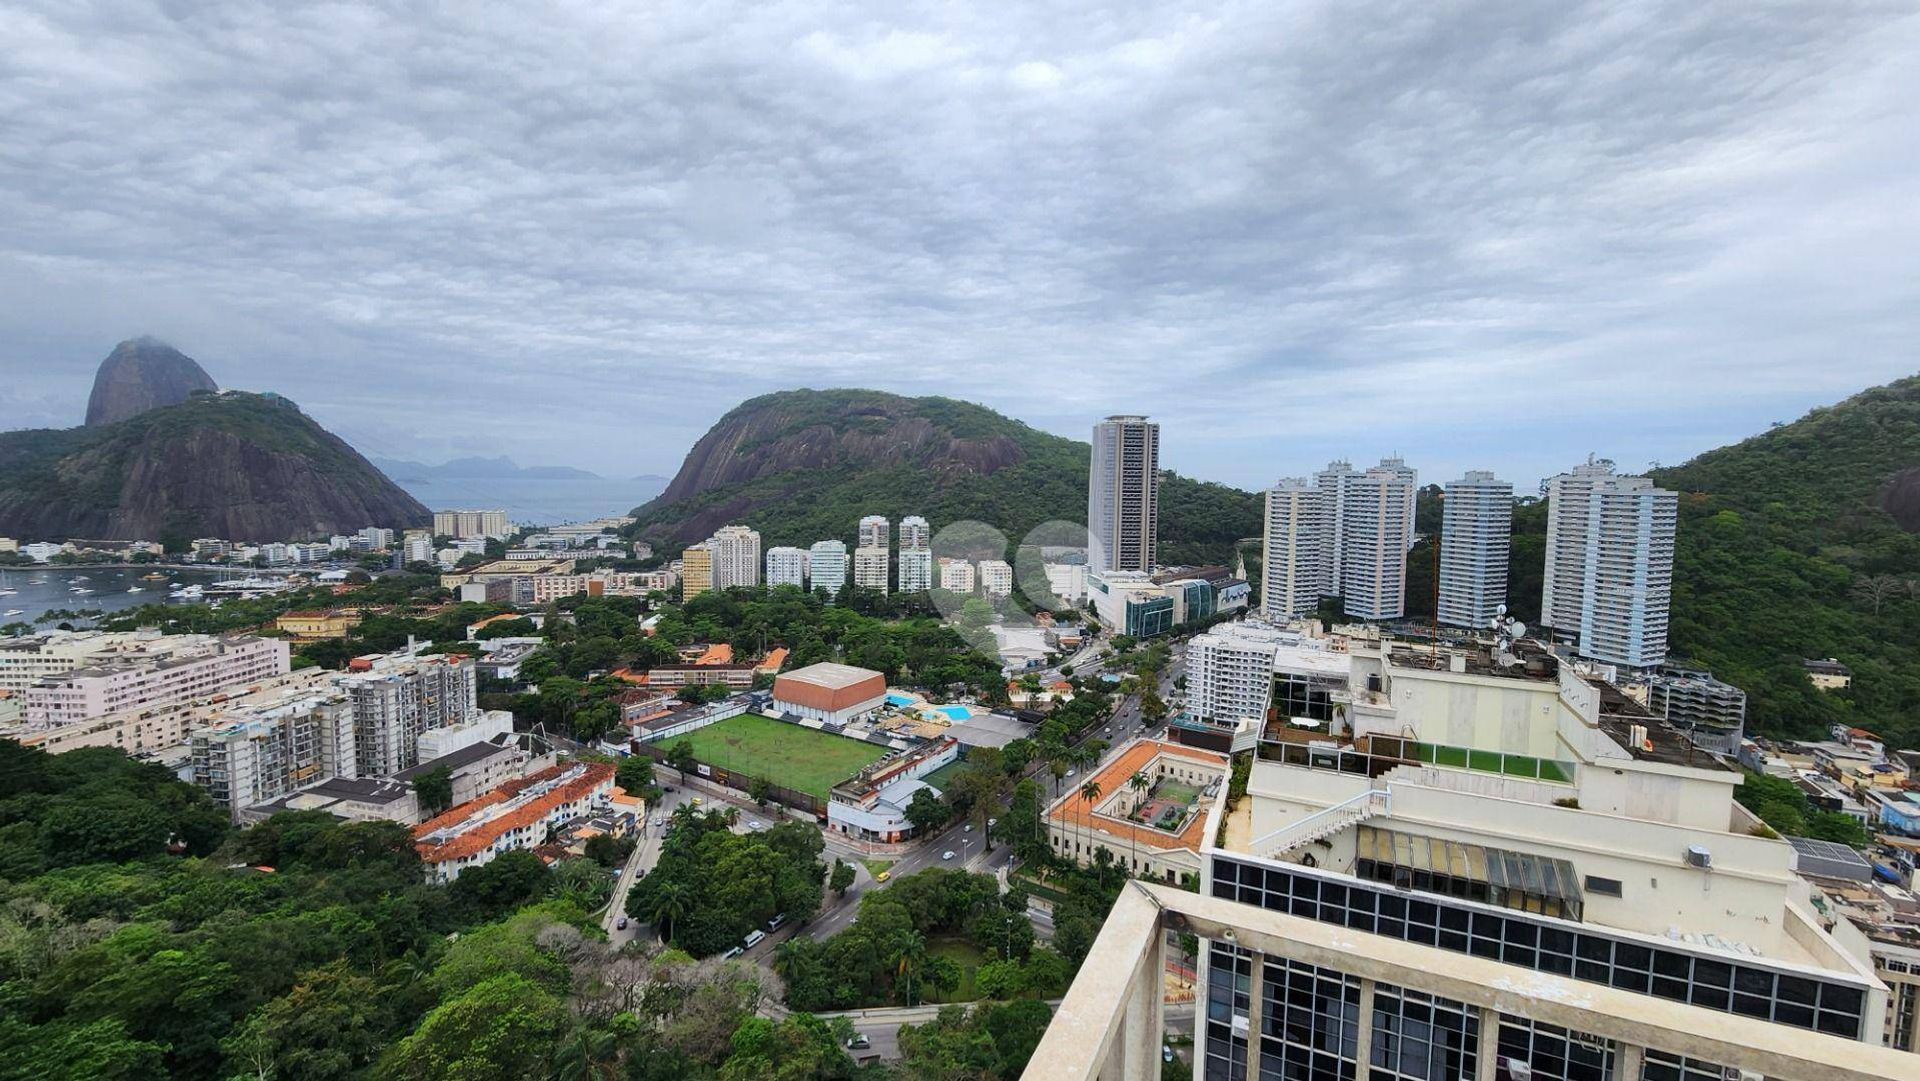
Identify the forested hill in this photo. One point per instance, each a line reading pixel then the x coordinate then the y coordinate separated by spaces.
pixel 242 466
pixel 805 465
pixel 1787 550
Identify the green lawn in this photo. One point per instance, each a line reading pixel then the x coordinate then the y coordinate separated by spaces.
pixel 784 754
pixel 968 957
pixel 939 778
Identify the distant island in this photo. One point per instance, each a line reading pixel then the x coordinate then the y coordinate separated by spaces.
pixel 501 468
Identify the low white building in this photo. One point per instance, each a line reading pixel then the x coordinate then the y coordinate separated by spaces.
pixel 872 805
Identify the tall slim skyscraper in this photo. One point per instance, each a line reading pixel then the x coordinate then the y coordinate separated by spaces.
pixel 787 567
pixel 1335 482
pixel 873 532
pixel 1294 550
pixel 1123 495
pixel 736 556
pixel 1609 572
pixel 1476 529
pixel 915 533
pixel 1376 529
pixel 827 564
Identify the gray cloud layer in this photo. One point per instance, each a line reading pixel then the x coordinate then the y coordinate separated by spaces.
pixel 1475 234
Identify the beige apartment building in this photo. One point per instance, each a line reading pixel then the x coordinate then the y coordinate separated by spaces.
pixel 1482 863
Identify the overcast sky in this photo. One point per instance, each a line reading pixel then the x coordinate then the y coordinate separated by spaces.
pixel 1476 235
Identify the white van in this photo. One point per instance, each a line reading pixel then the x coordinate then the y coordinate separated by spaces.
pixel 754 938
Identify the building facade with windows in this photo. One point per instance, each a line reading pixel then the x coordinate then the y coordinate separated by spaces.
pixel 915 532
pixel 736 556
pixel 874 532
pixel 870 565
pixel 827 566
pixel 1476 530
pixel 787 567
pixel 916 567
pixel 956 576
pixel 1295 550
pixel 1123 495
pixel 696 570
pixel 996 578
pixel 1609 570
pixel 1491 865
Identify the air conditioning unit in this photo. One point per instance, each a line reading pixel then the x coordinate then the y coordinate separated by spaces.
pixel 1698 856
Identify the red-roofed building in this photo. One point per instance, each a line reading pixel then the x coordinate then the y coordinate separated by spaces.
pixel 518 814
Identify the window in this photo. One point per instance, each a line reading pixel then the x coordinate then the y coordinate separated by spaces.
pixel 1605 887
pixel 1546 944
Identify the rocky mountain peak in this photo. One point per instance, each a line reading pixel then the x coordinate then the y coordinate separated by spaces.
pixel 140 374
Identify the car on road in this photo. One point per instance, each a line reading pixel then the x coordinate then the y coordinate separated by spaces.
pixel 883 876
pixel 776 923
pixel 621 925
pixel 754 938
pixel 732 953
pixel 992 822
pixel 1166 1053
pixel 947 855
pixel 968 828
pixel 858 1042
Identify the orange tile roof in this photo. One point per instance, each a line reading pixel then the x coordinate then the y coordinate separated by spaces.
pixel 483 836
pixel 501 618
pixel 775 660
pixel 1077 811
pixel 718 653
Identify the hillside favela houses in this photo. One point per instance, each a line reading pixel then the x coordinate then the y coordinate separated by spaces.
pixel 1473 861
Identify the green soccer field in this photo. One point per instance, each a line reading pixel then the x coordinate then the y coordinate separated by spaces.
pixel 781 753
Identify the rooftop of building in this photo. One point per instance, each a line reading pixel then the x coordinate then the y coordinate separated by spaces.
pixel 474 826
pixel 1075 810
pixel 368 791
pixel 457 760
pixel 830 675
pixel 1622 718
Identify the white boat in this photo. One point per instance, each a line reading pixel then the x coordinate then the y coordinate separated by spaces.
pixel 16 611
pixel 136 589
pixel 81 591
pixel 8 592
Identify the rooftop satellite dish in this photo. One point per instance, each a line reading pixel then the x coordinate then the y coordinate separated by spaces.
pixel 1518 630
pixel 1499 609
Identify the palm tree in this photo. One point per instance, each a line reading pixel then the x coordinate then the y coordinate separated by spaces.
pixel 667 906
pixel 786 960
pixel 1139 784
pixel 913 958
pixel 590 1054
pixel 1090 791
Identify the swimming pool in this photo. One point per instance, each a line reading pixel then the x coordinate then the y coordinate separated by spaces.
pixel 895 698
pixel 956 713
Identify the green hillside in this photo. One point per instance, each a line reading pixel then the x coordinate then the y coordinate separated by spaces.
pixel 1785 553
pixel 800 466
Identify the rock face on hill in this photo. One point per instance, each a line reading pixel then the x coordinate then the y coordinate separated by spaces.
pixel 235 465
pixel 142 374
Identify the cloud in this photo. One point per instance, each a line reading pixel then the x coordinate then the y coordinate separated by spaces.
pixel 1471 234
